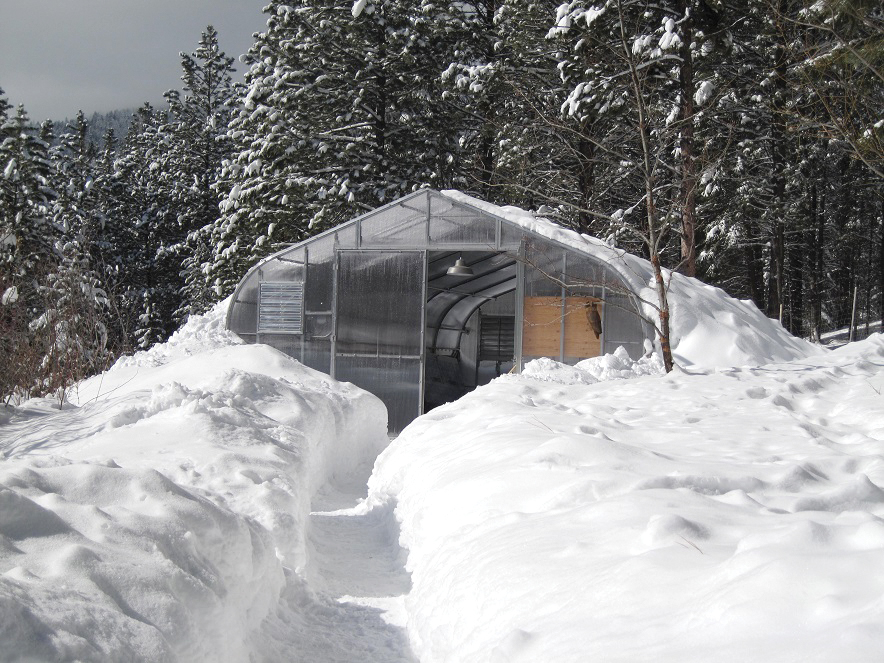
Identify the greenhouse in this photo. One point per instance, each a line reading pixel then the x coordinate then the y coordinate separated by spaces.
pixel 424 299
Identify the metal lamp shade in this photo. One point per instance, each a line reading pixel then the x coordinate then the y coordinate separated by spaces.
pixel 459 269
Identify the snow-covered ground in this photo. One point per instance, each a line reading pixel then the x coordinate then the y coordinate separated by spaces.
pixel 201 502
pixel 726 515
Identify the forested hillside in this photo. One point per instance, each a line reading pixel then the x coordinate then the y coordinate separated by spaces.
pixel 741 142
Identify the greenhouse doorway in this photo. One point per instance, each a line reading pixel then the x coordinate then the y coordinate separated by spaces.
pixel 471 333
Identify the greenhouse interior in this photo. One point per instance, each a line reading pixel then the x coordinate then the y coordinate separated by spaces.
pixel 428 297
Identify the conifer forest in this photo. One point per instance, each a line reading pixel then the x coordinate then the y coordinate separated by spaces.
pixel 741 142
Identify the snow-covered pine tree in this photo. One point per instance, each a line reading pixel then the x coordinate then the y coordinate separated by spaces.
pixel 754 195
pixel 503 84
pixel 27 253
pixel 190 166
pixel 148 289
pixel 623 64
pixel 26 199
pixel 336 120
pixel 113 244
pixel 73 295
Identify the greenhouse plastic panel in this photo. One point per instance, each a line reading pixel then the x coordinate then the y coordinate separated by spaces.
pixel 243 313
pixel 395 381
pixel 454 224
pixel 623 326
pixel 380 303
pixel 379 327
pixel 403 224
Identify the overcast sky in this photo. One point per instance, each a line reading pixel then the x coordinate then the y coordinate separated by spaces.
pixel 61 56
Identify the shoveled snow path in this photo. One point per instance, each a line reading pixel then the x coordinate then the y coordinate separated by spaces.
pixel 355 565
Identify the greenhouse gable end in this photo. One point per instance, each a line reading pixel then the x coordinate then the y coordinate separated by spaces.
pixel 424 299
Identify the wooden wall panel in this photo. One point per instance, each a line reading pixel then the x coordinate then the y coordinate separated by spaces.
pixel 542 327
pixel 541 332
pixel 580 340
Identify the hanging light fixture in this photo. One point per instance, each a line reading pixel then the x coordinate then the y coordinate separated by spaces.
pixel 460 269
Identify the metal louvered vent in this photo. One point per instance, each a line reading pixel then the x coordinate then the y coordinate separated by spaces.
pixel 281 308
pixel 497 337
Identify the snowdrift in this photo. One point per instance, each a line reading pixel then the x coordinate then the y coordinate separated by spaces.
pixel 163 518
pixel 731 515
pixel 709 328
pixel 603 511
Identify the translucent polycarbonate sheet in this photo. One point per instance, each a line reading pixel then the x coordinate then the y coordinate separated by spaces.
pixel 584 275
pixel 317 353
pixel 395 381
pixel 290 344
pixel 319 326
pixel 542 312
pixel 320 275
pixel 284 267
pixel 317 341
pixel 380 302
pixel 451 223
pixel 511 237
pixel 544 270
pixel 242 317
pixel 402 224
pixel 623 326
pixel 346 236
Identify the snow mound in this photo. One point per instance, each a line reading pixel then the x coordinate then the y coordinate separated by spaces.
pixel 708 327
pixel 165 517
pixel 616 366
pixel 198 334
pixel 726 515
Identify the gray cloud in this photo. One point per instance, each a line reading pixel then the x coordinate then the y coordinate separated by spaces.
pixel 61 56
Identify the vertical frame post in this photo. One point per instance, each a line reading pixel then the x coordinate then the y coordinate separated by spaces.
pixel 564 309
pixel 520 304
pixel 423 361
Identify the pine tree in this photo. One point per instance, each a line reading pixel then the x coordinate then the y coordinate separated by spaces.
pixel 148 290
pixel 191 165
pixel 336 120
pixel 26 199
pixel 75 300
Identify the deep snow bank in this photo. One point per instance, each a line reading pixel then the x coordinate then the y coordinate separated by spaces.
pixel 709 328
pixel 735 515
pixel 156 520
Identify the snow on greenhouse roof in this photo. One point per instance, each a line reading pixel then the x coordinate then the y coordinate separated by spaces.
pixel 708 327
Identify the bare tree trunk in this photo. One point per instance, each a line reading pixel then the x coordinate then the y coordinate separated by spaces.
pixel 778 240
pixel 586 182
pixel 817 228
pixel 650 205
pixel 688 162
pixel 778 138
pixel 881 269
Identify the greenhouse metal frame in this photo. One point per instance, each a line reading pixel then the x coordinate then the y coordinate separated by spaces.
pixel 426 298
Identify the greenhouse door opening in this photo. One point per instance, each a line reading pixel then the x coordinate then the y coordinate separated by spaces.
pixel 471 322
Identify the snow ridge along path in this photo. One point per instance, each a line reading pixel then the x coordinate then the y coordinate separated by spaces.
pixel 164 515
pixel 724 515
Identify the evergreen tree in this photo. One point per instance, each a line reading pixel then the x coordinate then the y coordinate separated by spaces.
pixel 148 289
pixel 191 165
pixel 75 301
pixel 337 119
pixel 26 199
